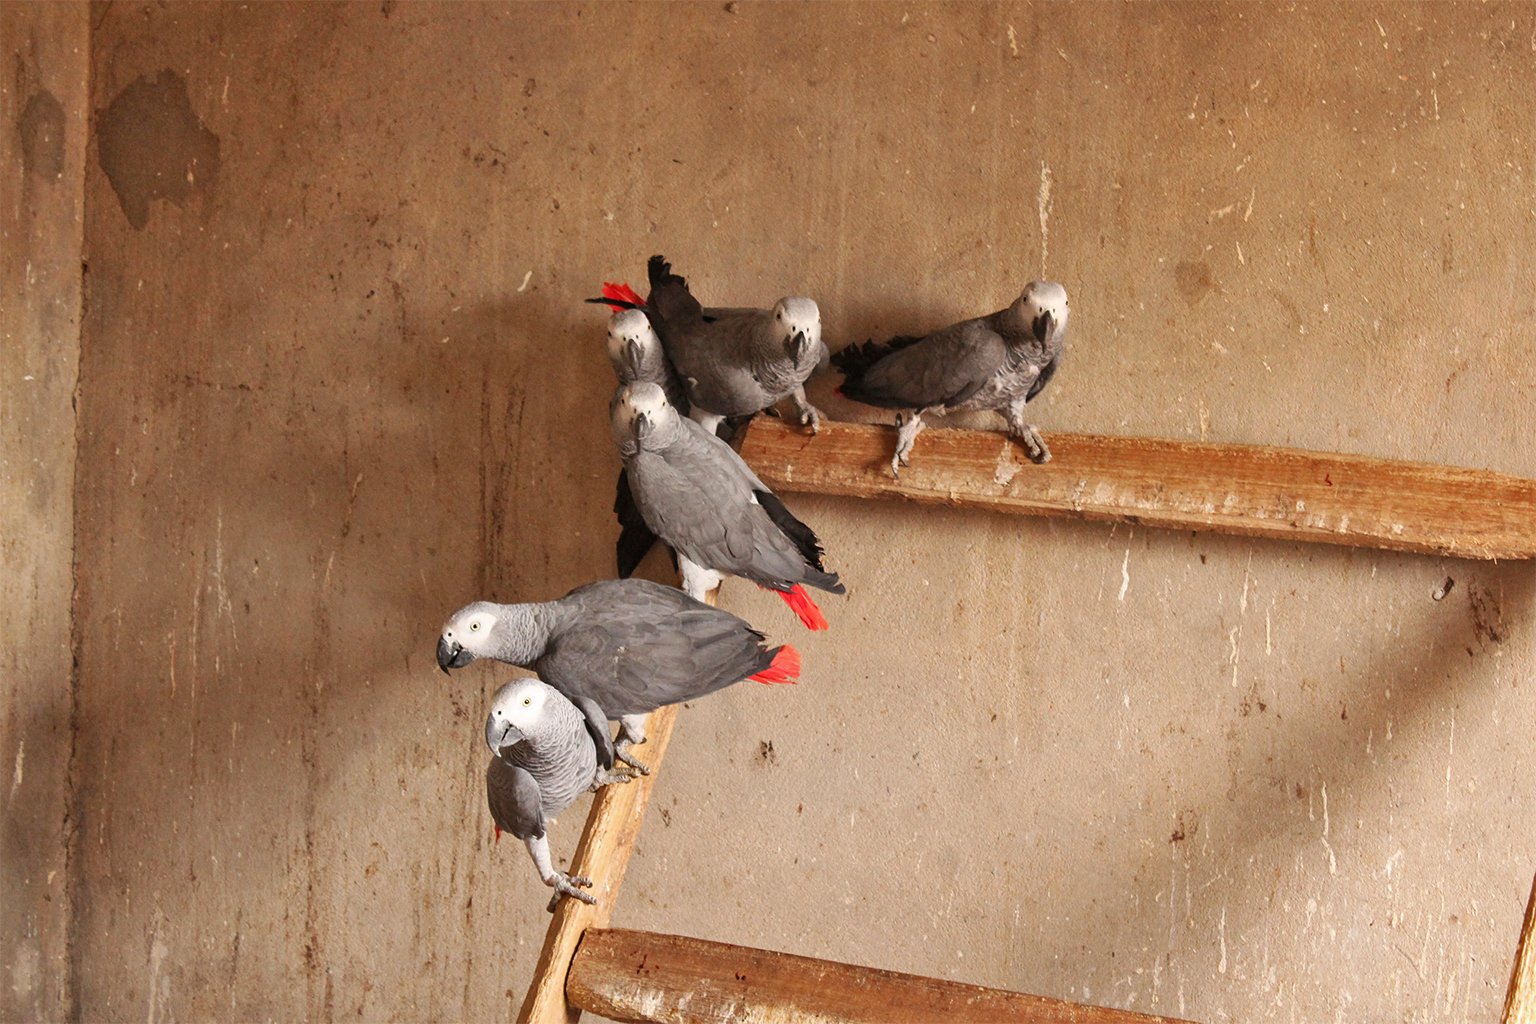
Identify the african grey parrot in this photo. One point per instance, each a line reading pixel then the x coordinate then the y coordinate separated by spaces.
pixel 542 759
pixel 999 361
pixel 697 495
pixel 636 353
pixel 618 649
pixel 732 362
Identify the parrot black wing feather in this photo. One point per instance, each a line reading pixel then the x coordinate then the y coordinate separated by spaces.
pixel 635 538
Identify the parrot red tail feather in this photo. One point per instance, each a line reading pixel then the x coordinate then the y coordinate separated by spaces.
pixel 621 296
pixel 801 604
pixel 785 667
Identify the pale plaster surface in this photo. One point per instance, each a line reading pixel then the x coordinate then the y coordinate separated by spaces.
pixel 336 380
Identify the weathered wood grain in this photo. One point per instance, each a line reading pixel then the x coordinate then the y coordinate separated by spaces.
pixel 647 977
pixel 1186 485
pixel 607 840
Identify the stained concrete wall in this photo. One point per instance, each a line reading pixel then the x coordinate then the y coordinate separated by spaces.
pixel 336 381
pixel 42 166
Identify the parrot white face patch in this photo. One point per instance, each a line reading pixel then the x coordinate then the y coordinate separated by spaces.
pixel 629 327
pixel 1042 297
pixel 471 630
pixel 798 316
pixel 520 702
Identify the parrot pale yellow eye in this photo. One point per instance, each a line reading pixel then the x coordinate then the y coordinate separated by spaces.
pixel 474 626
pixel 527 701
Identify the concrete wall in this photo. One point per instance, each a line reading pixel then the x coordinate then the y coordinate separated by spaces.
pixel 337 381
pixel 42 164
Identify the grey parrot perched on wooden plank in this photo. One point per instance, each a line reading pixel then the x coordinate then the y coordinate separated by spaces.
pixel 996 362
pixel 636 353
pixel 697 495
pixel 731 361
pixel 542 759
pixel 618 649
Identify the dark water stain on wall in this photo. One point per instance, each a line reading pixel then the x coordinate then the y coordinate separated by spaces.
pixel 41 127
pixel 1194 280
pixel 153 146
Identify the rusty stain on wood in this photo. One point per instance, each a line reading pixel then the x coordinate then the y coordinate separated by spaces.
pixel 1247 490
pixel 647 977
pixel 1520 1003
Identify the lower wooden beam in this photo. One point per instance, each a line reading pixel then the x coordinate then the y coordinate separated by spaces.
pixel 1184 485
pixel 670 979
pixel 1520 1003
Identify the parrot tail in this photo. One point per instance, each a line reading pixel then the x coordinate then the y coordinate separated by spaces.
pixel 801 604
pixel 784 668
pixel 497 841
pixel 621 297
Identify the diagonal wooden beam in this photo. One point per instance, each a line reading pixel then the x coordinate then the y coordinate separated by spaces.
pixel 1520 1002
pixel 607 840
pixel 671 979
pixel 602 855
pixel 1186 485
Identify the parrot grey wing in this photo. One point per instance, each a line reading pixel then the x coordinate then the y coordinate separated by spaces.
pixel 514 798
pixel 635 538
pixel 943 369
pixel 1046 373
pixel 595 719
pixel 670 298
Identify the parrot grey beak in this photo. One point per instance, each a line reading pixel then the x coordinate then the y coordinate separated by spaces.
pixel 632 356
pixel 1043 326
pixel 642 424
pixel 797 343
pixel 451 654
pixel 500 735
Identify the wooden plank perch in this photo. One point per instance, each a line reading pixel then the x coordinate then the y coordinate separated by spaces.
pixel 602 855
pixel 1520 1003
pixel 644 977
pixel 1184 485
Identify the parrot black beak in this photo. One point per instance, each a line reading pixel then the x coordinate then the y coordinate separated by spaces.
pixel 632 356
pixel 797 344
pixel 450 654
pixel 642 425
pixel 500 735
pixel 1042 326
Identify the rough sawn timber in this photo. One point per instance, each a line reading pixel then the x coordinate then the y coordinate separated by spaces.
pixel 647 977
pixel 1248 490
pixel 607 840
pixel 1520 1003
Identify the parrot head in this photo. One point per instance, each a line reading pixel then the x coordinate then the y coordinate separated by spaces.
pixel 631 342
pixel 467 635
pixel 1042 309
pixel 800 321
pixel 639 412
pixel 516 711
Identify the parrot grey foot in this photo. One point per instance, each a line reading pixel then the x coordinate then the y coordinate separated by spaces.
pixel 569 885
pixel 810 416
pixel 611 777
pixel 1035 445
pixel 622 753
pixel 907 429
